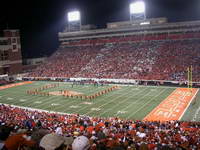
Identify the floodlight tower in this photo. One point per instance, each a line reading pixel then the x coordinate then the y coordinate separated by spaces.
pixel 74 21
pixel 137 10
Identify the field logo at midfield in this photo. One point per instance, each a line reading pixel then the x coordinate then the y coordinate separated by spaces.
pixel 14 84
pixel 174 106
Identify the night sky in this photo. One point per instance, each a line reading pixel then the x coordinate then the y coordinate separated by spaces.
pixel 39 21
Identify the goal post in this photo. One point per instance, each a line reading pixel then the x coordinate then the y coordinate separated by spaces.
pixel 190 77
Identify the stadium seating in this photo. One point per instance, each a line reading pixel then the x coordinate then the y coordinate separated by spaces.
pixel 150 57
pixel 103 134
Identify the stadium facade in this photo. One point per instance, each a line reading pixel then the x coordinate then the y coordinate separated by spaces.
pixel 149 29
pixel 10 52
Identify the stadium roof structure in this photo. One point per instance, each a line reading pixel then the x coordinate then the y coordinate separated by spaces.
pixel 156 26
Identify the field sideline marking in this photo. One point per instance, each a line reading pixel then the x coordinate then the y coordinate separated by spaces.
pixel 14 85
pixel 189 104
pixel 39 110
pixel 196 114
pixel 173 107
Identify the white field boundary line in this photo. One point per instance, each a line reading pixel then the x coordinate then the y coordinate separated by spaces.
pixel 38 98
pixel 144 104
pixel 98 102
pixel 150 86
pixel 188 104
pixel 115 106
pixel 161 103
pixel 196 114
pixel 109 102
pixel 40 110
pixel 72 102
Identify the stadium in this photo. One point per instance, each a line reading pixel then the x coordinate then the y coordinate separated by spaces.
pixel 132 85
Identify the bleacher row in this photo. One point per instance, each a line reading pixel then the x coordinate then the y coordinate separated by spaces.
pixel 37 130
pixel 144 60
pixel 137 38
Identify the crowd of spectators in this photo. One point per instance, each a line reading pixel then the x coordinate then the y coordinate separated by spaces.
pixel 66 62
pixel 144 60
pixel 42 130
pixel 4 82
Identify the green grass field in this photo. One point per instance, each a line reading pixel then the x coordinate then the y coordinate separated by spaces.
pixel 128 102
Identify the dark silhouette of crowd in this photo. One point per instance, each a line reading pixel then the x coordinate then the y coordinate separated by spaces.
pixel 4 81
pixel 32 129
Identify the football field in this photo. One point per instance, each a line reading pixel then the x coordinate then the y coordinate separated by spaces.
pixel 127 102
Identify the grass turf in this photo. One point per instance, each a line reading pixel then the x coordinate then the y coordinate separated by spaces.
pixel 128 102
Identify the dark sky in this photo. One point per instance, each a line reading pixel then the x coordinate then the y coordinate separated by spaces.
pixel 39 21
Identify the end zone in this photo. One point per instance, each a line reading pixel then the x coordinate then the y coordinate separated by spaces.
pixel 174 106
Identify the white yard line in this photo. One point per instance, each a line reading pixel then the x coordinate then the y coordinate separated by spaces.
pixel 196 114
pixel 144 104
pixel 113 108
pixel 73 102
pixel 16 100
pixel 125 93
pixel 188 104
pixel 44 102
pixel 98 102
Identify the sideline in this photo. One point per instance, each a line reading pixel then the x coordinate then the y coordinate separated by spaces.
pixel 14 84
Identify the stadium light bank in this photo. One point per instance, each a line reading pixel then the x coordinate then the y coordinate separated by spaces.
pixel 137 10
pixel 74 21
pixel 137 7
pixel 73 16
